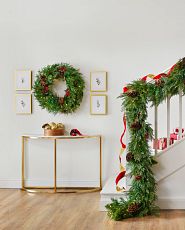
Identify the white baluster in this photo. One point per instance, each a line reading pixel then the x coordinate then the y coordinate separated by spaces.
pixel 180 114
pixel 168 121
pixel 127 179
pixel 156 127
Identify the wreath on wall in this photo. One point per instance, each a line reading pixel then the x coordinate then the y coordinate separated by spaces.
pixel 136 96
pixel 48 99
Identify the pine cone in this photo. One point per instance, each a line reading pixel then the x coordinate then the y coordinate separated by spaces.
pixel 43 81
pixel 159 82
pixel 132 93
pixel 147 136
pixel 182 63
pixel 129 156
pixel 138 177
pixel 61 100
pixel 42 77
pixel 136 125
pixel 133 208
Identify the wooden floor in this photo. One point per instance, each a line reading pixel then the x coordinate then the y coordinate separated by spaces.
pixel 20 210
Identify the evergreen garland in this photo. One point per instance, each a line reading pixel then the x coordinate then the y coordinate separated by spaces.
pixel 142 194
pixel 43 88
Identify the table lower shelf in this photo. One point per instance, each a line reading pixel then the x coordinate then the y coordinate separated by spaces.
pixel 45 189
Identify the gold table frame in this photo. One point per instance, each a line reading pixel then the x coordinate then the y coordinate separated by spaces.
pixel 64 189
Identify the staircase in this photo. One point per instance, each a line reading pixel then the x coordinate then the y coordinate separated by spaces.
pixel 169 172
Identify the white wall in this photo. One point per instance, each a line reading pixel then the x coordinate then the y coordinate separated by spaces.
pixel 127 38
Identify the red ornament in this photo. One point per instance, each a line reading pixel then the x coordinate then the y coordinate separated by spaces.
pixel 46 89
pixel 67 94
pixel 177 130
pixel 138 177
pixel 62 69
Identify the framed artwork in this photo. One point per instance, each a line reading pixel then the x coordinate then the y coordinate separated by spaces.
pixel 98 81
pixel 98 104
pixel 23 103
pixel 23 80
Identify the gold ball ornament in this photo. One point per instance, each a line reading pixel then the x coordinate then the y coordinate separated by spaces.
pixel 53 125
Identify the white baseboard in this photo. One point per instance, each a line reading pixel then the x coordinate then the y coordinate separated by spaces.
pixel 171 203
pixel 7 183
pixel 16 183
pixel 163 203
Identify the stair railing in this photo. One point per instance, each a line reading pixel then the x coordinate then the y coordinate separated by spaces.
pixel 168 119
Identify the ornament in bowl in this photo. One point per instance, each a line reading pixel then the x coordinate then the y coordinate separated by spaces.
pixel 53 129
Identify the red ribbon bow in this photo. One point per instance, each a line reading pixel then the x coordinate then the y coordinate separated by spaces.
pixel 125 89
pixel 159 76
pixel 75 132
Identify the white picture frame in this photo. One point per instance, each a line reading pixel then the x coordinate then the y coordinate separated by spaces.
pixel 98 104
pixel 23 103
pixel 98 81
pixel 23 80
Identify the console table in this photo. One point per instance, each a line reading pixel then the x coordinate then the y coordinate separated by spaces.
pixel 54 188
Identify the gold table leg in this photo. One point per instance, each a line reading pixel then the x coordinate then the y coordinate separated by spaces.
pixel 100 162
pixel 23 162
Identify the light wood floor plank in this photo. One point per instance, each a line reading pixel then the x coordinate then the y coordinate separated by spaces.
pixel 24 211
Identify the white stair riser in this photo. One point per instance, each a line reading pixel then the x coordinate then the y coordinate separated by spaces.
pixel 170 161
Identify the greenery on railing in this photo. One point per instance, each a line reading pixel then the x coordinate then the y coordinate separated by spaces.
pixel 142 194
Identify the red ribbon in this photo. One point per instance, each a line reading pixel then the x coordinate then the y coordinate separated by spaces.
pixel 122 135
pixel 123 171
pixel 171 69
pixel 144 78
pixel 120 176
pixel 75 132
pixel 159 76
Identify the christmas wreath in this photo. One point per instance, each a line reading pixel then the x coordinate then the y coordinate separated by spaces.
pixel 48 99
